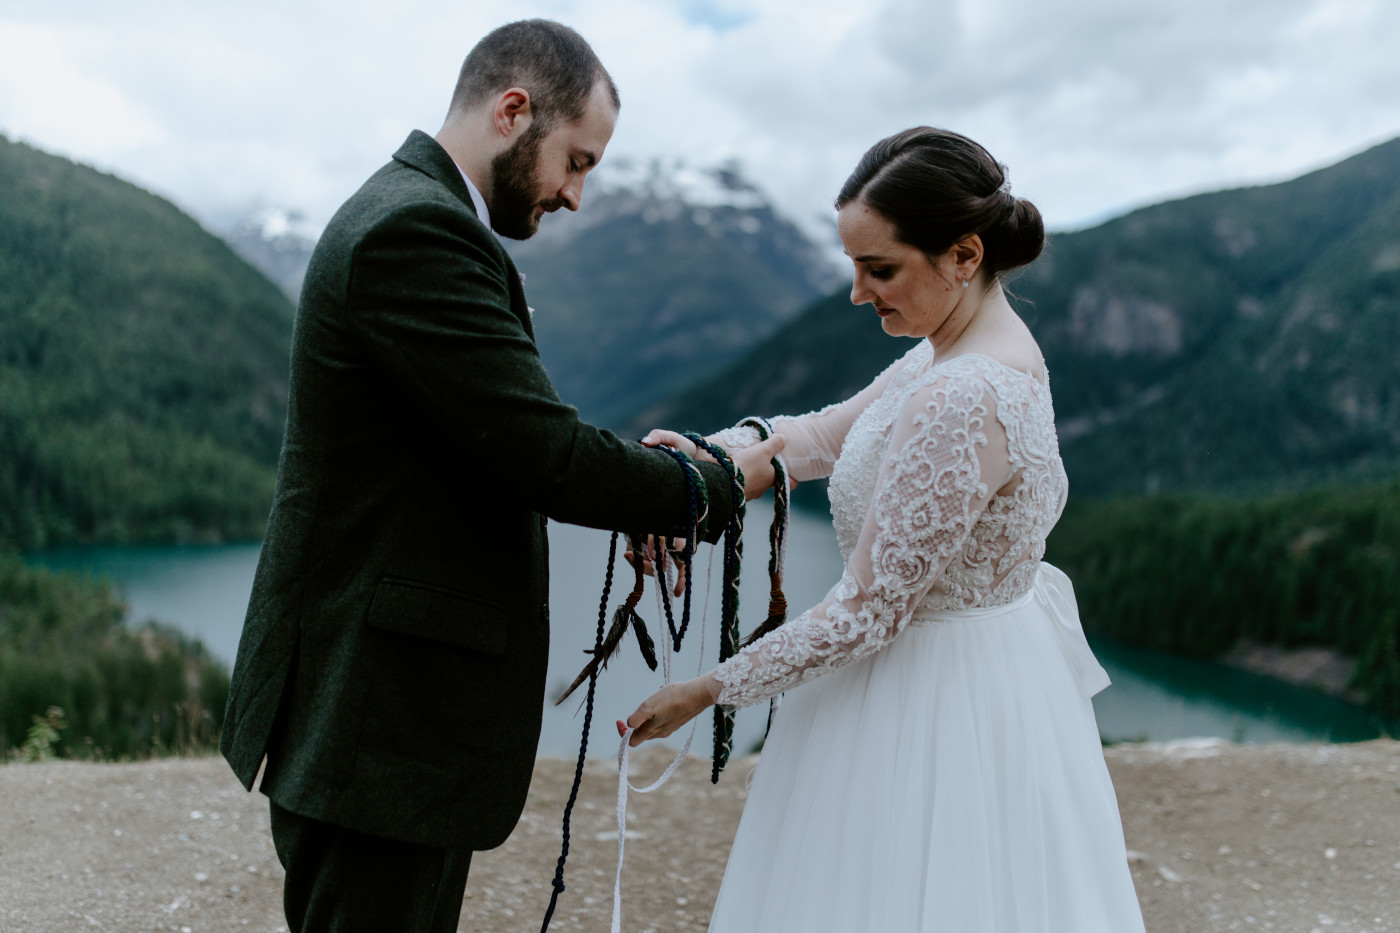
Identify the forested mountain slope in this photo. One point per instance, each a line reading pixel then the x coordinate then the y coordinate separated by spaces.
pixel 668 272
pixel 1245 339
pixel 143 366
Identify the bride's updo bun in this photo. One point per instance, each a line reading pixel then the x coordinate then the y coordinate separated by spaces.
pixel 936 187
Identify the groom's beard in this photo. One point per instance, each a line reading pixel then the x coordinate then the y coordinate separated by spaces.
pixel 513 188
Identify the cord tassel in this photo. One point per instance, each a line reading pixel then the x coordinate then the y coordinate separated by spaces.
pixel 627 613
pixel 777 612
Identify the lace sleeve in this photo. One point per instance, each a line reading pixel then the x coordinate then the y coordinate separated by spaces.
pixel 946 458
pixel 814 440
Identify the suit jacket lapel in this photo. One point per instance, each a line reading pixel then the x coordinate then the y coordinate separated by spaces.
pixel 424 153
pixel 420 151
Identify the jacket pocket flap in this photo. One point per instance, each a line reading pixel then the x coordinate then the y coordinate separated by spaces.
pixel 440 615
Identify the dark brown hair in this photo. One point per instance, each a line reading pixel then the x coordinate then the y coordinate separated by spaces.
pixel 548 59
pixel 937 187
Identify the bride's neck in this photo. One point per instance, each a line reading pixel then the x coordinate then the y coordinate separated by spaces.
pixel 977 310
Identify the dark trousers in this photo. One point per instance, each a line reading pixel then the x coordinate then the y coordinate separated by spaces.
pixel 342 881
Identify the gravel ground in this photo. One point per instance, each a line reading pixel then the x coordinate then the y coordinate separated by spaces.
pixel 1221 837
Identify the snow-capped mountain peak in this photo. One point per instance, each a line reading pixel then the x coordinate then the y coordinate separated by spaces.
pixel 675 179
pixel 276 223
pixel 277 242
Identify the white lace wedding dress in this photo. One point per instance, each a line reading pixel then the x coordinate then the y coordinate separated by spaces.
pixel 934 764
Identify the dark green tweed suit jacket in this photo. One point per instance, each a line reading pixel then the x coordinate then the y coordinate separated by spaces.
pixel 392 665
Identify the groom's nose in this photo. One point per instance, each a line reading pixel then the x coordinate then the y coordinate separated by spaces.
pixel 572 194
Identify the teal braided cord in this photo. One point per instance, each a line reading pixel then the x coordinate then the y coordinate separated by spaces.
pixel 729 599
pixel 691 481
pixel 777 550
pixel 782 495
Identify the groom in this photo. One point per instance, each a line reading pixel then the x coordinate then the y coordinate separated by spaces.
pixel 391 671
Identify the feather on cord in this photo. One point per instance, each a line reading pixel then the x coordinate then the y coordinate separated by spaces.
pixel 624 617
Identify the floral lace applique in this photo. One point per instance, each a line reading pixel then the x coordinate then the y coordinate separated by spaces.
pixel 947 484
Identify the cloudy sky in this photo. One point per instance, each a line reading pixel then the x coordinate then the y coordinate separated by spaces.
pixel 1096 105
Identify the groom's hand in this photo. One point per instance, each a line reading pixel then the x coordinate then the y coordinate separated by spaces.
pixel 648 555
pixel 755 462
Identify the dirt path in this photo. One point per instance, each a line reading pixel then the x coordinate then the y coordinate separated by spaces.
pixel 1289 838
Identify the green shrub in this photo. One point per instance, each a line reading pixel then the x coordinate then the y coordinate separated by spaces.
pixel 75 682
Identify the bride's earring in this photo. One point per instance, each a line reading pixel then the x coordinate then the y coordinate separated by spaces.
pixel 964 281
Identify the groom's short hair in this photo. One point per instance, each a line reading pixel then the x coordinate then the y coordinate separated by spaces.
pixel 551 61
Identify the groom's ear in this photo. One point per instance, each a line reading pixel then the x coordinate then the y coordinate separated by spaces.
pixel 513 113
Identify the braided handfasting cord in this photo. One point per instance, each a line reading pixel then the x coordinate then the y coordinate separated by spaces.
pixel 583 743
pixel 690 471
pixel 698 494
pixel 777 538
pixel 777 551
pixel 729 598
pixel 627 616
pixel 692 475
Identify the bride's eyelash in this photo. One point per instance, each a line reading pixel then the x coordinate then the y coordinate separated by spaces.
pixel 881 273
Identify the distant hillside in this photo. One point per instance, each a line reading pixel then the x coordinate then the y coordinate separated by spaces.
pixel 668 269
pixel 1241 339
pixel 1245 334
pixel 142 365
pixel 278 244
pixel 827 353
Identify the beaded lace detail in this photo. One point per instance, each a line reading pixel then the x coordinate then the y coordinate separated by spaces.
pixel 945 483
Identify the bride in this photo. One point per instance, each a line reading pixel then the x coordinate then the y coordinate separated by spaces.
pixel 935 764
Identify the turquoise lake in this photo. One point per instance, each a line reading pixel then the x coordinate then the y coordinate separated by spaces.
pixel 203 591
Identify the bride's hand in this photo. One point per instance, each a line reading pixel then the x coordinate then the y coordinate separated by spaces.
pixel 756 462
pixel 669 708
pixel 656 437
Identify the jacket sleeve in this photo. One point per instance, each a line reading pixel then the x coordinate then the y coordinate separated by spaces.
pixel 433 302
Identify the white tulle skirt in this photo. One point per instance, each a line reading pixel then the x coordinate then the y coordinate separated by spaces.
pixel 951 783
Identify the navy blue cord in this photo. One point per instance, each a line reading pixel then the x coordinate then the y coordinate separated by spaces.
pixel 729 603
pixel 686 555
pixel 583 745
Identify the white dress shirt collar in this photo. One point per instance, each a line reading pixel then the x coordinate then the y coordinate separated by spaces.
pixel 477 200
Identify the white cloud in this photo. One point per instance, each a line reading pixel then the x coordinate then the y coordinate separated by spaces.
pixel 49 85
pixel 1095 104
